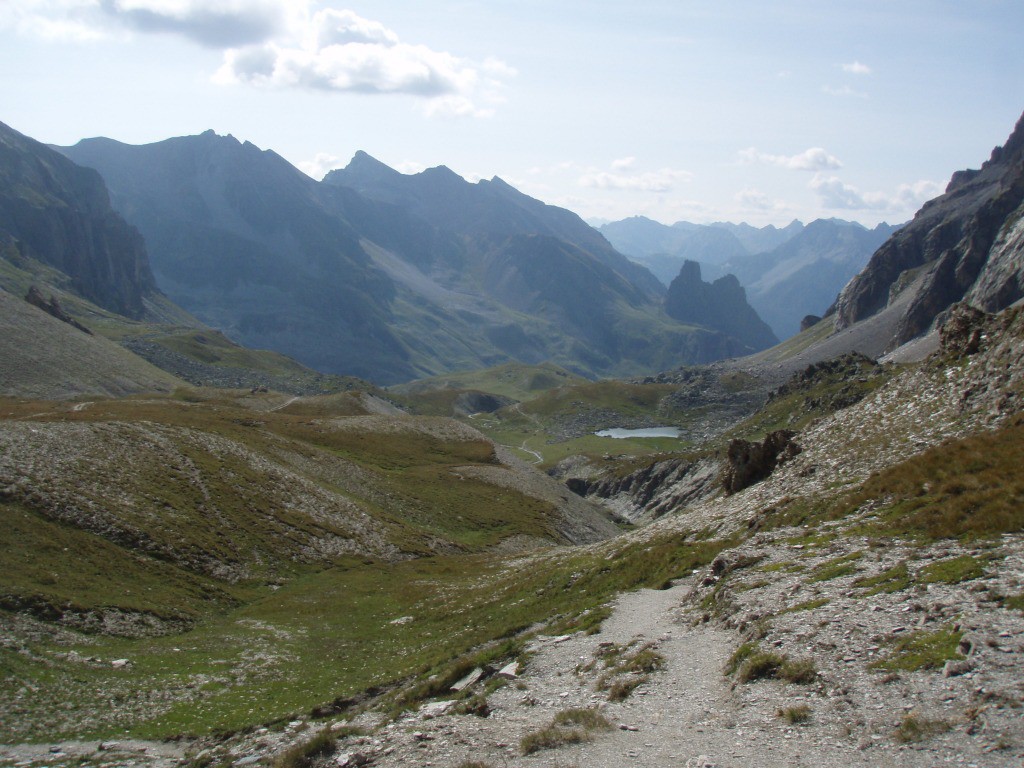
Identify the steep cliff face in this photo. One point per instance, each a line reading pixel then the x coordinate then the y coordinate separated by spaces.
pixel 721 305
pixel 966 244
pixel 60 214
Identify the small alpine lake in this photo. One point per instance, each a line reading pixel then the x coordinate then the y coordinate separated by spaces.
pixel 620 434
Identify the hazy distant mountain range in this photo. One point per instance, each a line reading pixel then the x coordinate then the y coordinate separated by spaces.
pixel 384 275
pixel 788 273
pixel 394 277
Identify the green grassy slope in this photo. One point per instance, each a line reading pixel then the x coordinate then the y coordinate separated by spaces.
pixel 50 362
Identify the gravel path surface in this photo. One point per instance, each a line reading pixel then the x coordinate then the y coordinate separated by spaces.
pixel 686 715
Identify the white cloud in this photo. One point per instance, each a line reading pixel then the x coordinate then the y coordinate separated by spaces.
pixel 813 159
pixel 623 163
pixel 455 106
pixel 334 27
pixel 213 23
pixel 321 165
pixel 835 193
pixel 844 91
pixel 856 68
pixel 410 166
pixel 285 44
pixel 340 51
pixel 751 199
pixel 652 181
pixel 56 20
pixel 918 193
pixel 907 198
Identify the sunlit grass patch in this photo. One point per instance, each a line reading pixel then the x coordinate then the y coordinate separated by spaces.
pixel 843 565
pixel 964 488
pixel 922 650
pixel 890 580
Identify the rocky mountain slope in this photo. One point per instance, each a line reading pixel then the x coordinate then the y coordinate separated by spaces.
pixel 803 275
pixel 59 214
pixel 44 357
pixel 251 578
pixel 386 276
pixel 642 239
pixel 965 244
pixel 489 207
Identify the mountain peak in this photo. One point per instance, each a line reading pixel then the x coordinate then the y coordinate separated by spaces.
pixel 440 172
pixel 361 170
pixel 363 162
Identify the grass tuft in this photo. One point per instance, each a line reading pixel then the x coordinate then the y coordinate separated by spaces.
pixel 305 754
pixel 835 568
pixel 588 718
pixel 892 579
pixel 760 665
pixel 795 715
pixel 952 571
pixel 552 737
pixel 621 688
pixel 749 664
pixel 570 726
pixel 914 728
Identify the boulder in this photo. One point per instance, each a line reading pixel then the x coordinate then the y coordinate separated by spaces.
pixel 748 463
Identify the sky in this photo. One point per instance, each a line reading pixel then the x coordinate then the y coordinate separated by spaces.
pixel 678 110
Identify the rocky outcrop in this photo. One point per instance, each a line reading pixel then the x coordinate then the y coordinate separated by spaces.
pixel 652 491
pixel 748 463
pixel 721 306
pixel 961 333
pixel 966 244
pixel 817 382
pixel 53 308
pixel 59 214
pixel 809 321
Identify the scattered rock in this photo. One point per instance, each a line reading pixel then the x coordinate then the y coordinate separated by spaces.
pixel 352 760
pixel 953 667
pixel 435 709
pixel 509 671
pixel 468 680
